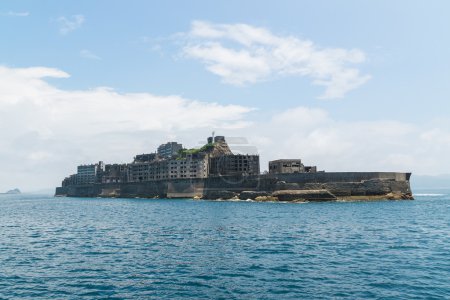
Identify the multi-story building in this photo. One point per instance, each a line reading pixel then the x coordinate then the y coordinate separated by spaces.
pixel 281 166
pixel 147 171
pixel 169 149
pixel 170 163
pixel 115 173
pixel 204 162
pixel 86 174
pixel 191 166
pixel 234 165
pixel 139 171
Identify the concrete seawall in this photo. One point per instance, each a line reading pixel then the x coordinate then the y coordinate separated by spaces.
pixel 342 185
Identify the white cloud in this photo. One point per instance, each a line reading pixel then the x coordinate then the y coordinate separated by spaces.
pixel 89 55
pixel 46 131
pixel 67 25
pixel 335 145
pixel 242 54
pixel 16 14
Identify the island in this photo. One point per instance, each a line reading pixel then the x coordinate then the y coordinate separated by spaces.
pixel 215 172
pixel 12 192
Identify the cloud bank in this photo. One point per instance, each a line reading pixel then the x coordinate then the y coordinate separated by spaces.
pixel 47 130
pixel 335 145
pixel 243 54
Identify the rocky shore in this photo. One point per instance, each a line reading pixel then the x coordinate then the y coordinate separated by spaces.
pixel 300 196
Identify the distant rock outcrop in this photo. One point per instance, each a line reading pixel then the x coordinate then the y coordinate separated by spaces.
pixel 14 191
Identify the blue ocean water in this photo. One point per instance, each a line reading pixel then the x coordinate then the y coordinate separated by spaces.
pixel 68 248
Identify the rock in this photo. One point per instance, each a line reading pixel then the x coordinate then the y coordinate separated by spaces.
pixel 399 196
pixel 110 193
pixel 304 195
pixel 14 191
pixel 282 185
pixel 407 196
pixel 266 198
pixel 219 195
pixel 252 195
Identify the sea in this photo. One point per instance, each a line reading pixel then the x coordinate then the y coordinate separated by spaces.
pixel 88 248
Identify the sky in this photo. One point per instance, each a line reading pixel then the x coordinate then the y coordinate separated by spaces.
pixel 344 85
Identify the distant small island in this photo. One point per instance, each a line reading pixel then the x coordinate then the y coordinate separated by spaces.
pixel 12 192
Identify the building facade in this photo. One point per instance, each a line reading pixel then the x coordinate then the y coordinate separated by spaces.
pixel 148 171
pixel 169 149
pixel 283 166
pixel 192 166
pixel 86 174
pixel 170 163
pixel 234 165
pixel 115 173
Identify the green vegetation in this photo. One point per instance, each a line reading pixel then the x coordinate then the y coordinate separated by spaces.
pixel 184 152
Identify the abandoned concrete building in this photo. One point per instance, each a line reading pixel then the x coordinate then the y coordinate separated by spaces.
pixel 169 149
pixel 289 166
pixel 171 161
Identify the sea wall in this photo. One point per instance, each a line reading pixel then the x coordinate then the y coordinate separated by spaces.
pixel 324 177
pixel 342 185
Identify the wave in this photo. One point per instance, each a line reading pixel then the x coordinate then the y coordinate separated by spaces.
pixel 429 195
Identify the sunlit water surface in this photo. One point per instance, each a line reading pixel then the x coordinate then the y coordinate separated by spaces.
pixel 68 248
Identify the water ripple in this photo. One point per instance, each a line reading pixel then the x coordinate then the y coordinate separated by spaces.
pixel 151 249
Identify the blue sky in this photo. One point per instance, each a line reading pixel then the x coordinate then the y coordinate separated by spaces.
pixel 390 61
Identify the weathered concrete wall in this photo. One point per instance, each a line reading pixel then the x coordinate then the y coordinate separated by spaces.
pixel 185 188
pixel 341 184
pixel 238 184
pixel 149 189
pixel 91 190
pixel 324 177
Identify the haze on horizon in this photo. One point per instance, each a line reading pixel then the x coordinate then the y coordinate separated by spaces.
pixel 347 86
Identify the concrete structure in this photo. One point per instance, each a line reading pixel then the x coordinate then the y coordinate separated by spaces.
pixel 210 160
pixel 145 157
pixel 192 166
pixel 214 172
pixel 86 174
pixel 169 150
pixel 287 166
pixel 216 139
pixel 115 173
pixel 148 171
pixel 234 165
pixel 343 185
